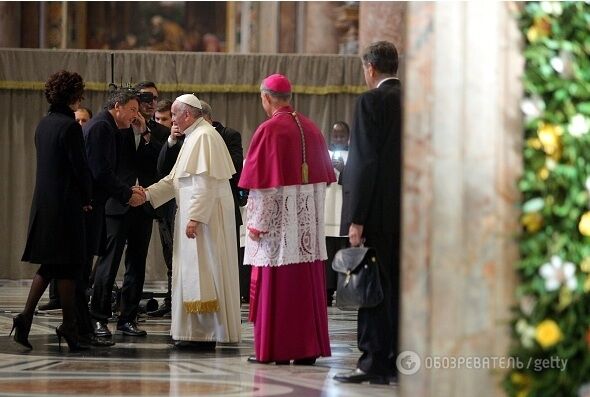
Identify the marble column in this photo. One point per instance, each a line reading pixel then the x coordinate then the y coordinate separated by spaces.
pixel 382 21
pixel 320 32
pixel 10 21
pixel 268 25
pixel 287 26
pixel 462 159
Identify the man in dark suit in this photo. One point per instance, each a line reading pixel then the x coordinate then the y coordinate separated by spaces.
pixel 132 161
pixel 101 136
pixel 164 214
pixel 371 212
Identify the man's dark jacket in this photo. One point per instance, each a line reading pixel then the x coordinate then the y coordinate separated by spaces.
pixel 371 180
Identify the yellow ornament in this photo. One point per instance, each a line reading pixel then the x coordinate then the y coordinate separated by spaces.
pixel 543 173
pixel 547 333
pixel 584 225
pixel 522 382
pixel 541 28
pixel 534 143
pixel 518 378
pixel 550 137
pixel 565 298
pixel 532 221
pixel 587 285
pixel 585 265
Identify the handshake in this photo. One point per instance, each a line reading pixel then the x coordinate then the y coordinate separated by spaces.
pixel 137 196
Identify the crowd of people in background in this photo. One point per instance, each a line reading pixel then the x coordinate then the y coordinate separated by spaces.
pixel 103 179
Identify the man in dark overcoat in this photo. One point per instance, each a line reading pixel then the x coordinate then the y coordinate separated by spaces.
pixel 371 208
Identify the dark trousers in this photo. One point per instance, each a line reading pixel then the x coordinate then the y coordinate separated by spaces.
pixel 82 311
pixel 166 229
pixel 94 221
pixel 378 326
pixel 53 294
pixel 135 229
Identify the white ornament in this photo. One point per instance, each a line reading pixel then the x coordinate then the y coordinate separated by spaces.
pixel 551 7
pixel 532 106
pixel 579 125
pixel 557 64
pixel 557 273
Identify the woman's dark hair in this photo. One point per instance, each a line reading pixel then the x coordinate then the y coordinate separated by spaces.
pixel 64 88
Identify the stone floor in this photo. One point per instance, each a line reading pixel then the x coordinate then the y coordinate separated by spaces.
pixel 151 367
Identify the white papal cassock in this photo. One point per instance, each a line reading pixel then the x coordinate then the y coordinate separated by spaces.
pixel 205 286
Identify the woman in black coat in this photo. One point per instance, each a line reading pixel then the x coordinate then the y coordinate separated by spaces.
pixel 62 195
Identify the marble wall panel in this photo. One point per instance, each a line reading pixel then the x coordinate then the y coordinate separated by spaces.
pixel 462 161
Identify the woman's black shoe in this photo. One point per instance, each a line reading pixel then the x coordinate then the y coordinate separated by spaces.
pixel 71 338
pixel 21 328
pixel 305 361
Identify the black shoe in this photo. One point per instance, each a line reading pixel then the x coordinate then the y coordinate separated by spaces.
pixel 195 345
pixel 360 376
pixel 53 304
pixel 161 312
pixel 71 337
pixel 101 329
pixel 130 329
pixel 93 340
pixel 305 361
pixel 21 327
pixel 252 359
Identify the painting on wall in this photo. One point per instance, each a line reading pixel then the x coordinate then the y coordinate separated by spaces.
pixel 156 26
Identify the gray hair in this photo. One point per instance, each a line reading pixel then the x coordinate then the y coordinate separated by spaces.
pixel 206 109
pixel 121 96
pixel 281 96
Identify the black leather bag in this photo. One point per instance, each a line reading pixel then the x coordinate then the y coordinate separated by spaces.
pixel 359 284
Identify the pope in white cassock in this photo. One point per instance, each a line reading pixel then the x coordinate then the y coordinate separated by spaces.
pixel 205 286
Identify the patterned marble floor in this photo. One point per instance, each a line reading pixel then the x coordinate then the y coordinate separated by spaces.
pixel 151 367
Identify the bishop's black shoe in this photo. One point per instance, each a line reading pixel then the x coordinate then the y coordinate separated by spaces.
pixel 252 359
pixel 305 361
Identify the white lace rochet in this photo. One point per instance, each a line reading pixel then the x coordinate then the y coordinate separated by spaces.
pixel 291 220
